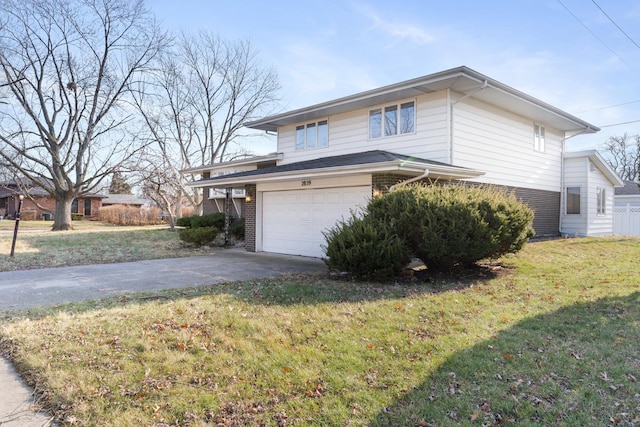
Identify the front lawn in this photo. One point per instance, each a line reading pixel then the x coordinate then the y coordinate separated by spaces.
pixel 551 338
pixel 90 243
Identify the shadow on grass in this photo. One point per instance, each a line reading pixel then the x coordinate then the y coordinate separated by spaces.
pixel 575 366
pixel 291 289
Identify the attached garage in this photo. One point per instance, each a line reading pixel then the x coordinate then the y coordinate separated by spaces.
pixel 293 220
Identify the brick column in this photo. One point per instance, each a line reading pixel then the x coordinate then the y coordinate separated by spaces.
pixel 250 218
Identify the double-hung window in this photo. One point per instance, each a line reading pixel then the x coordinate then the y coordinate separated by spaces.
pixel 392 120
pixel 312 135
pixel 538 138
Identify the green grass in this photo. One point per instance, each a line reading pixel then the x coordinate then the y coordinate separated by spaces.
pixel 552 338
pixel 89 243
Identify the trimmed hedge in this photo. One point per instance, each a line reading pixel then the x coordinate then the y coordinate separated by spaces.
pixel 443 225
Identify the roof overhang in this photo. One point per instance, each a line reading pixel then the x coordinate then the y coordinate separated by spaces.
pixel 599 162
pixel 402 167
pixel 462 80
pixel 253 160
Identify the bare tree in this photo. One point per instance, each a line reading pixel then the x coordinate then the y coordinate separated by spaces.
pixel 194 107
pixel 68 66
pixel 623 155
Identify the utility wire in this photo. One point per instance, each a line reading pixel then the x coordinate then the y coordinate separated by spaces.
pixel 592 33
pixel 617 26
pixel 619 124
pixel 608 106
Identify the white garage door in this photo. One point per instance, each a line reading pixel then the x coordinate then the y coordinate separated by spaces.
pixel 293 221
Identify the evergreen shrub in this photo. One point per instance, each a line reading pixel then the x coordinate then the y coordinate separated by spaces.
pixel 365 248
pixel 199 236
pixel 445 226
pixel 450 225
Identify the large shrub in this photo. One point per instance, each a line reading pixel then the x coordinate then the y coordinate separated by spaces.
pixel 449 225
pixel 365 248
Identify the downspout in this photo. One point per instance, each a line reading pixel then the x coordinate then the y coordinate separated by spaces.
pixel 484 84
pixel 410 180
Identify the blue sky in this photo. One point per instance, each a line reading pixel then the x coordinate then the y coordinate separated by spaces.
pixel 568 53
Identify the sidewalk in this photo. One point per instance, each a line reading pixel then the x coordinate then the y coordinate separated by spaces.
pixel 53 286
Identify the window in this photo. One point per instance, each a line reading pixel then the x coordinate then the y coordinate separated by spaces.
pixel 602 201
pixel 74 206
pixel 398 119
pixel 312 135
pixel 87 207
pixel 573 200
pixel 538 138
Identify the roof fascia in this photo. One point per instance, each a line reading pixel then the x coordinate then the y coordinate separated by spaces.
pixel 392 166
pixel 240 162
pixel 270 123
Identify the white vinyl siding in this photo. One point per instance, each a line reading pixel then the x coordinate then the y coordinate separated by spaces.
pixel 349 133
pixel 499 143
pixel 580 172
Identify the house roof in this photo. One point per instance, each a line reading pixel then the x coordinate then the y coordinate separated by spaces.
pixel 631 188
pixel 347 164
pixel 461 79
pixel 123 199
pixel 599 162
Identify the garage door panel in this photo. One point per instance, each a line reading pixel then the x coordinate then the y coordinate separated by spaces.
pixel 293 221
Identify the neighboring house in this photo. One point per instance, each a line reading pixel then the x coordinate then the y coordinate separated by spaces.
pixel 453 125
pixel 626 214
pixel 125 200
pixel 10 196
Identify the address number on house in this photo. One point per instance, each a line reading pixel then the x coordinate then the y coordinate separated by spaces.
pixel 306 182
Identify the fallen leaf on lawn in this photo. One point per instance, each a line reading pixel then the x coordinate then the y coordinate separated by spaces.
pixel 286 370
pixel 474 416
pixel 485 407
pixel 633 378
pixel 507 356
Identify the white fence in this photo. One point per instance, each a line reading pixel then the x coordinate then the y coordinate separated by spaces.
pixel 626 220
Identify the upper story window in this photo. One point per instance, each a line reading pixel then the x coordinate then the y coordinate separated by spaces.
pixel 312 135
pixel 538 138
pixel 392 120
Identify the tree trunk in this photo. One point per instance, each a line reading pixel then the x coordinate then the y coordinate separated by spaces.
pixel 62 217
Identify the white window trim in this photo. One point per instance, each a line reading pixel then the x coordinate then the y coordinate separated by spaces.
pixel 304 126
pixel 601 201
pixel 382 108
pixel 539 144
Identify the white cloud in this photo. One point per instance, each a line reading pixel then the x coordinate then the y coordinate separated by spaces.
pixel 397 29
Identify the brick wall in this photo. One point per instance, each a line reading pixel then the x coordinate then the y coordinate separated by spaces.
pixel 250 219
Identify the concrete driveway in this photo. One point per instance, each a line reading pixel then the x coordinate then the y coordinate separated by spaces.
pixel 54 286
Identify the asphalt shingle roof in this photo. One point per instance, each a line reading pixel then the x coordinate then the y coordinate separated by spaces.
pixel 364 158
pixel 630 188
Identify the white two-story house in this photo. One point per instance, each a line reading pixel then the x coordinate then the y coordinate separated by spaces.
pixel 453 125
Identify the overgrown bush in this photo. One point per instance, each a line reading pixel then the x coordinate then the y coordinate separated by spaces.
pixel 449 225
pixel 184 221
pixel 443 225
pixel 365 248
pixel 199 236
pixel 130 215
